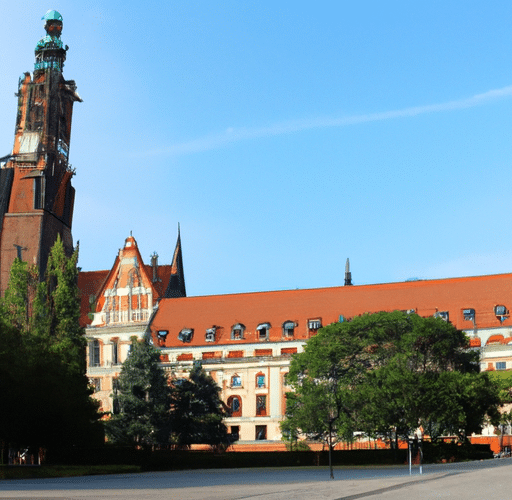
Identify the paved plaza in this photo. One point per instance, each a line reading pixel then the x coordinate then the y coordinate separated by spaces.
pixel 474 480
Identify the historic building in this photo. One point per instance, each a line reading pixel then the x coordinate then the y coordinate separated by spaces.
pixel 118 304
pixel 245 340
pixel 36 195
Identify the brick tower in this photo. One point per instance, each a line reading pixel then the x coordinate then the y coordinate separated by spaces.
pixel 36 196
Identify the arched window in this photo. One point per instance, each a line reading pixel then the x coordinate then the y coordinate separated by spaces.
pixel 235 406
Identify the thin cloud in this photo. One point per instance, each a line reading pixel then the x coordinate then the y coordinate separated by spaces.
pixel 231 135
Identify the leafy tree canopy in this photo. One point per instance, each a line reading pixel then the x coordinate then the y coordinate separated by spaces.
pixel 388 372
pixel 42 351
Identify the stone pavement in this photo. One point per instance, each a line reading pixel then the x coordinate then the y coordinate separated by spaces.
pixel 476 480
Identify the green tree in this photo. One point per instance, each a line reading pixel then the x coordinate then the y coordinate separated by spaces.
pixel 52 406
pixel 197 411
pixel 429 378
pixel 387 373
pixel 143 398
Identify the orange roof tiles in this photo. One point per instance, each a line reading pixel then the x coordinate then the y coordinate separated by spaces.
pixel 426 297
pixel 89 282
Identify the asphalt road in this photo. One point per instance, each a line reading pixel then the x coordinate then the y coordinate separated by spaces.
pixel 490 479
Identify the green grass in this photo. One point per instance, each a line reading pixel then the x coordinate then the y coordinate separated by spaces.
pixel 48 471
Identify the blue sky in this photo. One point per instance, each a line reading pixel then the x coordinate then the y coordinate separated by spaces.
pixel 285 136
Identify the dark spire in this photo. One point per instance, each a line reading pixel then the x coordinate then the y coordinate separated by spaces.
pixel 348 274
pixel 176 286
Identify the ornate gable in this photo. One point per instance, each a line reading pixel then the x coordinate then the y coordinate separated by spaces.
pixel 127 295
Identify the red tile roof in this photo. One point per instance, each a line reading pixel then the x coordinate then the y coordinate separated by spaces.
pixel 425 297
pixel 89 282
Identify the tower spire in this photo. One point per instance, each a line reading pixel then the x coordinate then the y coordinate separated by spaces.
pixel 36 195
pixel 348 274
pixel 176 286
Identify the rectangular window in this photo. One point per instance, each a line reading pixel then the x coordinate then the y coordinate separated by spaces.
pixel 236 381
pixel 469 314
pixel 115 352
pixel 96 383
pixel 261 432
pixel 263 330
pixel 444 315
pixel 38 193
pixel 260 381
pixel 288 329
pixel 261 405
pixel 94 353
pixel 235 433
pixel 314 324
pixel 501 365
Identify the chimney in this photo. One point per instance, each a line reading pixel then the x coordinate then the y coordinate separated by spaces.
pixel 154 265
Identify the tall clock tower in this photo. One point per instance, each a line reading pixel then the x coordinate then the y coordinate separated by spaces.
pixel 36 195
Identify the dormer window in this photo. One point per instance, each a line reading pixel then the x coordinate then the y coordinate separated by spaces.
pixel 501 312
pixel 263 329
pixel 237 332
pixel 288 329
pixel 314 324
pixel 186 335
pixel 161 335
pixel 469 315
pixel 444 315
pixel 210 334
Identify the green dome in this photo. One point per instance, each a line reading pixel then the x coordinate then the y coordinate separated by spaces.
pixel 52 15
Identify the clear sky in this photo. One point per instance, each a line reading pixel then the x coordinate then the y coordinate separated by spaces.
pixel 285 136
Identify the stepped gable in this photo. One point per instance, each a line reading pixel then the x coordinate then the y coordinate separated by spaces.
pixel 325 305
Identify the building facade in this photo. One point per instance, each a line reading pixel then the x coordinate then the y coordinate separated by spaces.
pixel 36 195
pixel 245 341
pixel 119 304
